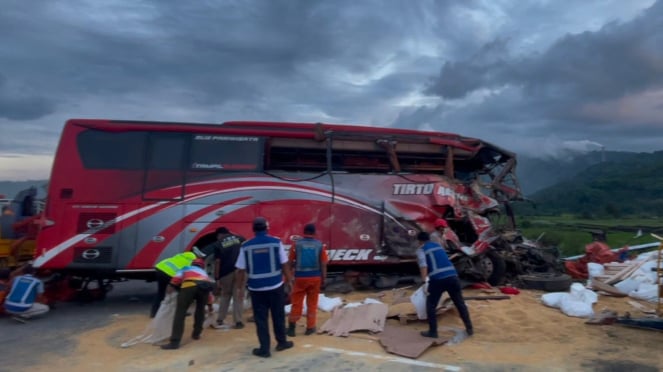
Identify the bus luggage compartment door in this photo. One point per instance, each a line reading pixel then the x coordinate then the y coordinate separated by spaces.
pixel 101 242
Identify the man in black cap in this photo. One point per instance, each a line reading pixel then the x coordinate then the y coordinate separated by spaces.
pixel 440 276
pixel 263 259
pixel 226 250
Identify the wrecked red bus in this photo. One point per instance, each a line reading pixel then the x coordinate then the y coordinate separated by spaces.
pixel 125 194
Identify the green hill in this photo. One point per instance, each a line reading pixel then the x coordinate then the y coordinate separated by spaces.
pixel 630 185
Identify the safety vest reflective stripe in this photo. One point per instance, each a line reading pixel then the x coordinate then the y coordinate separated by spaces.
pixel 22 300
pixel 438 267
pixel 308 255
pixel 271 250
pixel 174 264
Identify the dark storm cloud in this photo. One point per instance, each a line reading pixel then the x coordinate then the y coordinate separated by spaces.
pixel 617 60
pixel 509 66
pixel 20 102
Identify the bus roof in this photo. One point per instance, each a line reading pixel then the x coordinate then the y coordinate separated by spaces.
pixel 317 131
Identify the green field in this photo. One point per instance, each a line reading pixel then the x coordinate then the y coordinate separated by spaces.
pixel 570 233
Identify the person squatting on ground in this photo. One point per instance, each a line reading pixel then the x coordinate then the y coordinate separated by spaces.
pixel 263 259
pixel 194 285
pixel 226 250
pixel 440 276
pixel 165 270
pixel 25 296
pixel 4 287
pixel 308 259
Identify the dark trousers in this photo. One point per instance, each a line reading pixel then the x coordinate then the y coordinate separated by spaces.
pixel 436 287
pixel 264 302
pixel 162 283
pixel 185 297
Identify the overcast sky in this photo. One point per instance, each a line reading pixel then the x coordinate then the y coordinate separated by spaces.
pixel 536 77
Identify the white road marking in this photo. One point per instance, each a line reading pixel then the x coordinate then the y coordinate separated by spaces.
pixel 418 363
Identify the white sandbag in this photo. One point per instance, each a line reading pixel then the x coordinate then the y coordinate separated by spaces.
pixel 554 299
pixel 628 285
pixel 580 293
pixel 288 308
pixel 352 304
pixel 644 273
pixel 645 291
pixel 576 308
pixel 327 303
pixel 371 301
pixel 324 304
pixel 578 302
pixel 160 326
pixel 418 299
pixel 595 269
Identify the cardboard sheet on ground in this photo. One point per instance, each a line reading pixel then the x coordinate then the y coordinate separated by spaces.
pixel 408 342
pixel 367 317
pixel 160 326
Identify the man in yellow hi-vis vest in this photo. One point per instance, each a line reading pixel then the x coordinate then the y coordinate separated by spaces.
pixel 165 270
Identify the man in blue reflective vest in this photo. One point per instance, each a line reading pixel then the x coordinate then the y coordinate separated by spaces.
pixel 262 259
pixel 440 276
pixel 24 296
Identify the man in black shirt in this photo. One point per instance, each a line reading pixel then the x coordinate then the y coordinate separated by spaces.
pixel 226 250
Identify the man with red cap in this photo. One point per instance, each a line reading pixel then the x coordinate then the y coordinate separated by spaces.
pixel 193 284
pixel 443 234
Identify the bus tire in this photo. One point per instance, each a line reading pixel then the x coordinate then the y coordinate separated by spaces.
pixel 546 282
pixel 494 266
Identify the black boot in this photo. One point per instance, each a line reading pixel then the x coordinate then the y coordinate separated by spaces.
pixel 291 329
pixel 428 334
pixel 170 346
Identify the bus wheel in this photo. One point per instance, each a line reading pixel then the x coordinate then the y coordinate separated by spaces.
pixel 493 267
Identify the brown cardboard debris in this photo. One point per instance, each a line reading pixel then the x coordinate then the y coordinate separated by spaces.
pixel 407 342
pixel 367 317
pixel 405 308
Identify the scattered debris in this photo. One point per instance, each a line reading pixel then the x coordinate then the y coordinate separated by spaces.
pixel 642 307
pixel 407 342
pixel 495 297
pixel 615 272
pixel 598 285
pixel 578 302
pixel 605 317
pixel 366 317
pixel 655 324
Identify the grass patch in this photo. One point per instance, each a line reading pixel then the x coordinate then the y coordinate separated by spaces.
pixel 570 234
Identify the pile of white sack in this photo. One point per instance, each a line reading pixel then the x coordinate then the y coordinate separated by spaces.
pixel 641 284
pixel 324 304
pixel 577 302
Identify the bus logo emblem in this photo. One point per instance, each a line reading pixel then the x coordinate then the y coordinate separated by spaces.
pixel 91 254
pixel 94 223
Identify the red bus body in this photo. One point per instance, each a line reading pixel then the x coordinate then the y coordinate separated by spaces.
pixel 124 195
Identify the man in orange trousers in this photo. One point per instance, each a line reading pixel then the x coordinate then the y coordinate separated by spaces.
pixel 308 258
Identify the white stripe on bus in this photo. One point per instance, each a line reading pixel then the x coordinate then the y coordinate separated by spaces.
pixel 48 255
pixel 51 253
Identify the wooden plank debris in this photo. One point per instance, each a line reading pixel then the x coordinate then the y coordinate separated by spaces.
pixel 598 285
pixel 641 307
